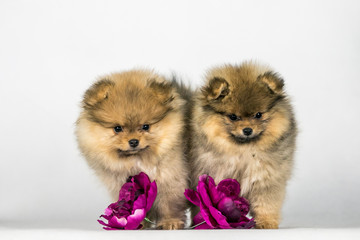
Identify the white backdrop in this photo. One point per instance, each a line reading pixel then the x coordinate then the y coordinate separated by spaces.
pixel 51 51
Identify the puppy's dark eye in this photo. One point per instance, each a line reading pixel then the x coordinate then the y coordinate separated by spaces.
pixel 258 115
pixel 118 129
pixel 233 117
pixel 145 127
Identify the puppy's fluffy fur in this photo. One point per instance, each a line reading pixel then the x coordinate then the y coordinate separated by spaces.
pixel 235 98
pixel 115 110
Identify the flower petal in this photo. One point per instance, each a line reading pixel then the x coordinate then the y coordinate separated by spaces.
pixel 204 195
pixel 242 204
pixel 122 221
pixel 112 207
pixel 215 195
pixel 203 178
pixel 134 220
pixel 192 196
pixel 220 219
pixel 127 192
pixel 140 202
pixel 106 217
pixel 110 228
pixel 142 180
pixel 198 218
pixel 108 211
pixel 229 209
pixel 116 222
pixel 204 211
pixel 103 223
pixel 151 196
pixel 230 187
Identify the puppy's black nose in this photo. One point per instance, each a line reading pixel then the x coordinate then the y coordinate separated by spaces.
pixel 247 131
pixel 134 143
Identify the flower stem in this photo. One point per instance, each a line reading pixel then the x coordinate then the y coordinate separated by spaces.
pixel 148 220
pixel 192 227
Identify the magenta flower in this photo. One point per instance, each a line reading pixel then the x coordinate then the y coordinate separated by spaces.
pixel 220 206
pixel 136 197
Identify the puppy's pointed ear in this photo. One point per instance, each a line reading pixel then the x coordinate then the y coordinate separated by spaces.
pixel 98 92
pixel 273 81
pixel 216 89
pixel 162 90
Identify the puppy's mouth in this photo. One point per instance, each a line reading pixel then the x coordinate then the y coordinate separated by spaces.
pixel 245 139
pixel 131 152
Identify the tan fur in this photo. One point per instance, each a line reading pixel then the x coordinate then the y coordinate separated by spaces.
pixel 263 164
pixel 130 100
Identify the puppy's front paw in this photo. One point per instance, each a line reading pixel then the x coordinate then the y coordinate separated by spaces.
pixel 266 222
pixel 170 224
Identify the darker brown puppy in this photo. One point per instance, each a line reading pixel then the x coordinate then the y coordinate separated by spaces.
pixel 244 128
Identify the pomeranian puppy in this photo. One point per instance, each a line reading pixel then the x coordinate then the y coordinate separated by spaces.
pixel 244 128
pixel 134 122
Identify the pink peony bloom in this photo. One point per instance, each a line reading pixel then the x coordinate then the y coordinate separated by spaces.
pixel 220 206
pixel 136 197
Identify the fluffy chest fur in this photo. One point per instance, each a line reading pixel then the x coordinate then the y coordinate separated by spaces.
pixel 248 166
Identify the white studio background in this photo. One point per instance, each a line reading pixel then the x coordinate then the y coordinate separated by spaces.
pixel 51 51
